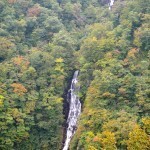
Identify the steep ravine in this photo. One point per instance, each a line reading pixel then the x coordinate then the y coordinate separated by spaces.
pixel 68 127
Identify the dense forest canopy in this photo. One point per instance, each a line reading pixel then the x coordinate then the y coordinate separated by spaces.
pixel 42 43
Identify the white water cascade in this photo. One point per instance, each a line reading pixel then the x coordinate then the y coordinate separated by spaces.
pixel 74 110
pixel 111 4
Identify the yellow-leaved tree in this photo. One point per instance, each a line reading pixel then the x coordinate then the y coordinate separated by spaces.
pixel 107 140
pixel 138 139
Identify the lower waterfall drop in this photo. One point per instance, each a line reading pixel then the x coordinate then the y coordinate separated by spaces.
pixel 74 110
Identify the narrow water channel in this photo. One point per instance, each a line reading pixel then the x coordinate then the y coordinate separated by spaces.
pixel 74 110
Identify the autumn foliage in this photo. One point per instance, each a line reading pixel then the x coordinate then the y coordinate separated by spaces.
pixel 19 89
pixel 12 1
pixel 42 43
pixel 34 11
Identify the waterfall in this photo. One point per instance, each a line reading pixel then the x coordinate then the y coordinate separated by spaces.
pixel 74 110
pixel 111 4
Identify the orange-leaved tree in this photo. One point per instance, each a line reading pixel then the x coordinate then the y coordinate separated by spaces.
pixel 19 89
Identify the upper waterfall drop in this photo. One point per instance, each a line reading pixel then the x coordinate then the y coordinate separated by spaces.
pixel 74 110
pixel 111 4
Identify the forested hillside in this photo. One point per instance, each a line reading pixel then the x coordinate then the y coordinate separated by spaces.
pixel 42 43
